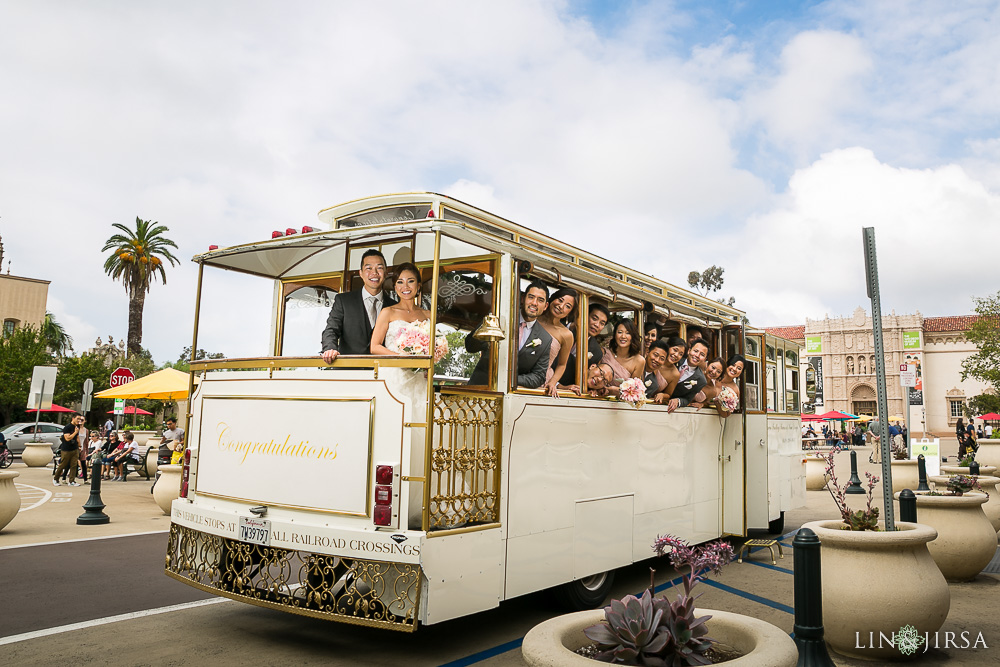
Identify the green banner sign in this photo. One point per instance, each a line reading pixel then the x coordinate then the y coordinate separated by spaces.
pixel 911 340
pixel 814 345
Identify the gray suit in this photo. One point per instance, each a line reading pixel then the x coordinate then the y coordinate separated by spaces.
pixel 532 360
pixel 688 388
pixel 347 328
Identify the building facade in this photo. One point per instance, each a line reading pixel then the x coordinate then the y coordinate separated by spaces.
pixel 22 300
pixel 839 367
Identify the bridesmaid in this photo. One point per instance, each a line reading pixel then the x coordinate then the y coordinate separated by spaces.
pixel 713 373
pixel 650 333
pixel 676 351
pixel 562 308
pixel 728 400
pixel 622 354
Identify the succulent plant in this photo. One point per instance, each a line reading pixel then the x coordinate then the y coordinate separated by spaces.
pixel 866 519
pixel 967 460
pixel 631 632
pixel 960 484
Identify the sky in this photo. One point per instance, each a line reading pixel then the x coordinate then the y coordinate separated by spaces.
pixel 668 136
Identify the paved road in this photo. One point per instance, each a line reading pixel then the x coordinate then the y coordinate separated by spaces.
pixel 59 584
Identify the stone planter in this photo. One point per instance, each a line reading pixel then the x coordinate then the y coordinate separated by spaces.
pixel 167 487
pixel 10 499
pixel 966 540
pixel 552 643
pixel 988 485
pixel 141 436
pixel 815 471
pixel 863 574
pixel 905 475
pixel 989 453
pixel 37 454
pixel 151 457
pixel 964 470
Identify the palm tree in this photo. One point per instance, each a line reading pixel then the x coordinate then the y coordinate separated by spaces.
pixel 136 259
pixel 58 341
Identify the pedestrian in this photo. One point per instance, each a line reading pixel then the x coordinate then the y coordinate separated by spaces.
pixel 69 451
pixel 988 431
pixel 109 426
pixel 83 438
pixel 173 434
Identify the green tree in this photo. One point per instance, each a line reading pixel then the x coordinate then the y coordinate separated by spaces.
pixel 183 362
pixel 137 258
pixel 73 372
pixel 55 335
pixel 985 333
pixel 458 362
pixel 708 281
pixel 20 352
pixel 982 404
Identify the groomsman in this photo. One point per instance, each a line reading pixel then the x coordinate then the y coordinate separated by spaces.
pixel 352 318
pixel 692 379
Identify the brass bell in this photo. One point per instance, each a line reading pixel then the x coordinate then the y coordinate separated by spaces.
pixel 490 330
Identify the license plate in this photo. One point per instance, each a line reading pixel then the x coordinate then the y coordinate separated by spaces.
pixel 255 531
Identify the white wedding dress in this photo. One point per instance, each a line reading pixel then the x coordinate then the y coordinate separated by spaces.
pixel 406 384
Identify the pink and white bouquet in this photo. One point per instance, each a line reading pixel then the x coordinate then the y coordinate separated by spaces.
pixel 728 400
pixel 633 391
pixel 415 339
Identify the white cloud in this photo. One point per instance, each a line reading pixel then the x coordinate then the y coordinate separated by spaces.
pixel 932 227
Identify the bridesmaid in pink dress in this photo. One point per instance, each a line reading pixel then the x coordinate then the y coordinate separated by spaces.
pixel 623 355
pixel 562 307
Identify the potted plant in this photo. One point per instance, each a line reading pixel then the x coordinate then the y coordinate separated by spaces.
pixel 962 468
pixel 966 540
pixel 905 471
pixel 987 485
pixel 865 567
pixel 650 630
pixel 988 453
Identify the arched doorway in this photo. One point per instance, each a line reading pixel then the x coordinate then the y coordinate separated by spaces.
pixel 863 400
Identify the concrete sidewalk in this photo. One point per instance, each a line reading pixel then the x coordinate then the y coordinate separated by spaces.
pixel 48 513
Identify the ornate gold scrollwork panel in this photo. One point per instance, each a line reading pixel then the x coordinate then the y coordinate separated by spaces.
pixel 352 590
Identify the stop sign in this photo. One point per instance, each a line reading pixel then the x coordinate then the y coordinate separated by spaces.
pixel 121 376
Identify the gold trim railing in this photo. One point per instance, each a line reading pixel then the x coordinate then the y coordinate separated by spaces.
pixel 344 361
pixel 463 486
pixel 351 590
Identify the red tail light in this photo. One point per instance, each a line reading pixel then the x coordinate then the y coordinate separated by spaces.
pixel 290 231
pixel 382 515
pixel 385 495
pixel 307 229
pixel 276 234
pixel 186 473
pixel 430 213
pixel 213 247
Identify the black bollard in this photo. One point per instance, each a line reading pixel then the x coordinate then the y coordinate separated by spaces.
pixel 95 506
pixel 854 486
pixel 922 472
pixel 907 506
pixel 808 627
pixel 974 468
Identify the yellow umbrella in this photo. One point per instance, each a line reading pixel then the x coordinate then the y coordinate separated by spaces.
pixel 864 418
pixel 897 418
pixel 166 385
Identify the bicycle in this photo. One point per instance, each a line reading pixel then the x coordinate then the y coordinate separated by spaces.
pixel 6 456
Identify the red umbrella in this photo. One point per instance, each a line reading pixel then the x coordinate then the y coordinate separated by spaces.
pixel 833 414
pixel 54 408
pixel 132 410
pixel 812 418
pixel 989 416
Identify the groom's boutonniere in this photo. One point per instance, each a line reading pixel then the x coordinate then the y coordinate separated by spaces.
pixel 534 342
pixel 649 382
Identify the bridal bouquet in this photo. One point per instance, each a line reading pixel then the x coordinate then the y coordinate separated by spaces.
pixel 728 400
pixel 415 339
pixel 633 391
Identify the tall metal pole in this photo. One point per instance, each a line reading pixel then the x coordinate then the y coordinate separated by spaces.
pixel 871 273
pixel 906 415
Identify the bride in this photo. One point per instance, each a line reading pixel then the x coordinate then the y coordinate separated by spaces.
pixel 389 326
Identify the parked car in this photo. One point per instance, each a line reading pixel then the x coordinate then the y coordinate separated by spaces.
pixel 24 432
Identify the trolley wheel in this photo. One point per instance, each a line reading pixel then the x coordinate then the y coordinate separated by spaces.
pixel 587 593
pixel 777 526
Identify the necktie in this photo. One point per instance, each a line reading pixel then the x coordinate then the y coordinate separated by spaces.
pixel 372 310
pixel 522 335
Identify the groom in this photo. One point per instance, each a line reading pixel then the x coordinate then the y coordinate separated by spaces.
pixel 352 318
